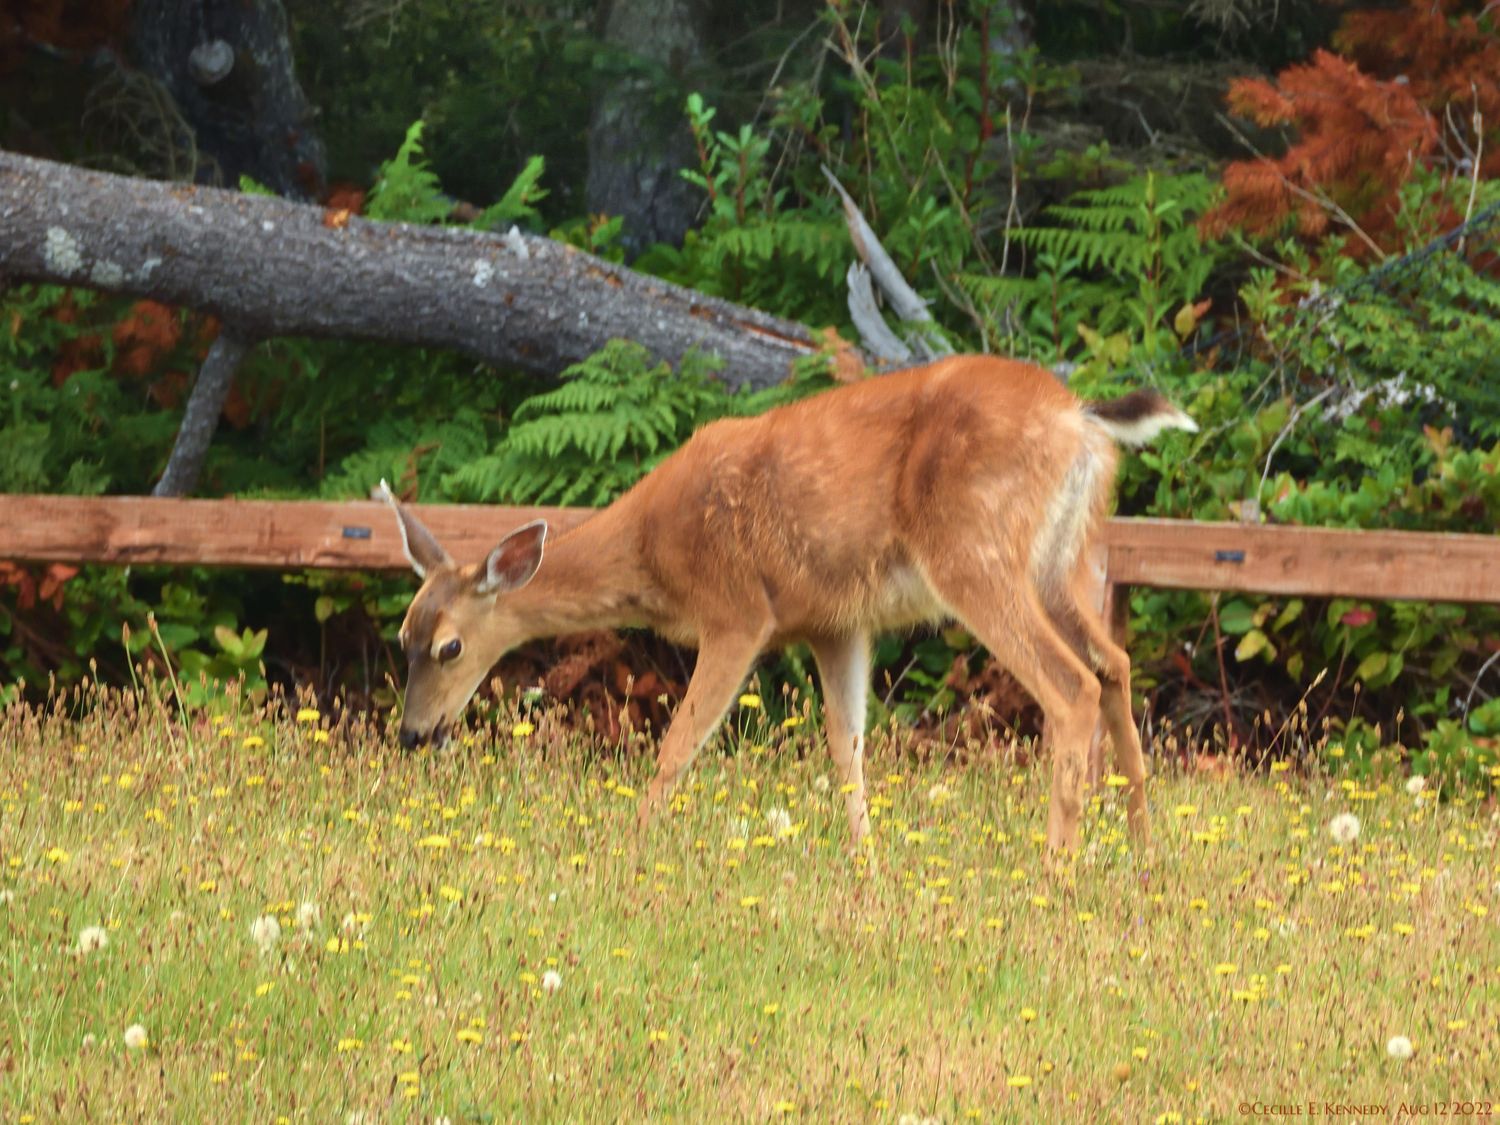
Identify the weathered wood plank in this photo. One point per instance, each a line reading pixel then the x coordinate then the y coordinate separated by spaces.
pixel 313 534
pixel 1310 561
pixel 361 535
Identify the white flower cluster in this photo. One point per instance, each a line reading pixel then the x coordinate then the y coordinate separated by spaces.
pixel 265 932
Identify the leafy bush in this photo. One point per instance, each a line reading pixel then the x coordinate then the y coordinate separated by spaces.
pixel 1125 259
pixel 1330 391
pixel 613 419
pixel 610 422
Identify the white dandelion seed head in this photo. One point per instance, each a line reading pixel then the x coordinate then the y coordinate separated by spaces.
pixel 90 1041
pixel 821 784
pixel 136 1037
pixel 938 794
pixel 309 916
pixel 779 820
pixel 1415 784
pixel 1400 1047
pixel 1344 828
pixel 265 932
pixel 92 939
pixel 551 980
pixel 7 896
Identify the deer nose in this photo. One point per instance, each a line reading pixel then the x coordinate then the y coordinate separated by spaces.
pixel 411 738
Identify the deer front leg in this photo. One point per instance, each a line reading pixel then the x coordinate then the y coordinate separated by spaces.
pixel 723 663
pixel 844 671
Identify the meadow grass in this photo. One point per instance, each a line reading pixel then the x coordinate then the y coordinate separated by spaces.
pixel 482 934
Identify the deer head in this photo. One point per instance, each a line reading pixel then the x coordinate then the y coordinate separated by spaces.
pixel 458 624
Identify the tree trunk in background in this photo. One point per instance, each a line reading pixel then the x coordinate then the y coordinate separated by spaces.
pixel 1010 37
pixel 893 16
pixel 1009 25
pixel 638 137
pixel 228 66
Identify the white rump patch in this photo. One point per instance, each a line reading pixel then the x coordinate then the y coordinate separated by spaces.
pixel 1065 525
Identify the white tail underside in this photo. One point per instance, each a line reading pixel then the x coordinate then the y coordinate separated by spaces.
pixel 1140 431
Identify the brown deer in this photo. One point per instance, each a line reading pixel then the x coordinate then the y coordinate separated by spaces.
pixel 964 489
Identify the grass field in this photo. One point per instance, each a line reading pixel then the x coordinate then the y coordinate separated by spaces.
pixel 481 934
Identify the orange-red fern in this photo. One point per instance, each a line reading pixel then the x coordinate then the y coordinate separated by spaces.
pixel 1358 139
pixel 1447 51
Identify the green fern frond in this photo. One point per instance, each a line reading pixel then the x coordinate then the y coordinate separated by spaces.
pixel 1118 251
pixel 407 190
pixel 615 416
pixel 517 204
pixel 400 449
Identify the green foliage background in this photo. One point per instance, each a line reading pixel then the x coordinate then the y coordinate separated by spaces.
pixel 1341 397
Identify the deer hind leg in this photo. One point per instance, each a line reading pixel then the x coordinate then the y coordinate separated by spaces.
pixel 724 661
pixel 1010 620
pixel 844 671
pixel 1081 627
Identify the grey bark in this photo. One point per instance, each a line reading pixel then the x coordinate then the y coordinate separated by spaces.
pixel 276 268
pixel 882 344
pixel 201 417
pixel 228 66
pixel 639 139
pixel 921 335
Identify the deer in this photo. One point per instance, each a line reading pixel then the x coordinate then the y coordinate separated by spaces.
pixel 963 490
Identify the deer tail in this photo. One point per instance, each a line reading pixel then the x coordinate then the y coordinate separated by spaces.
pixel 1136 418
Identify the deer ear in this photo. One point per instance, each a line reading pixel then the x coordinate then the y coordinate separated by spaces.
pixel 423 551
pixel 514 562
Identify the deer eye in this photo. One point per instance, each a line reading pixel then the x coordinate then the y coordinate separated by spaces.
pixel 450 650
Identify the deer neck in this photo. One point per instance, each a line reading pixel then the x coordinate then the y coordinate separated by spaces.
pixel 591 578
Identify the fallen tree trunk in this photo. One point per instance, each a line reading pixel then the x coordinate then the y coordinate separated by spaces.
pixel 276 268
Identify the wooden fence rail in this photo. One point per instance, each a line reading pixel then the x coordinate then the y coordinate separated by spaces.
pixel 361 535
